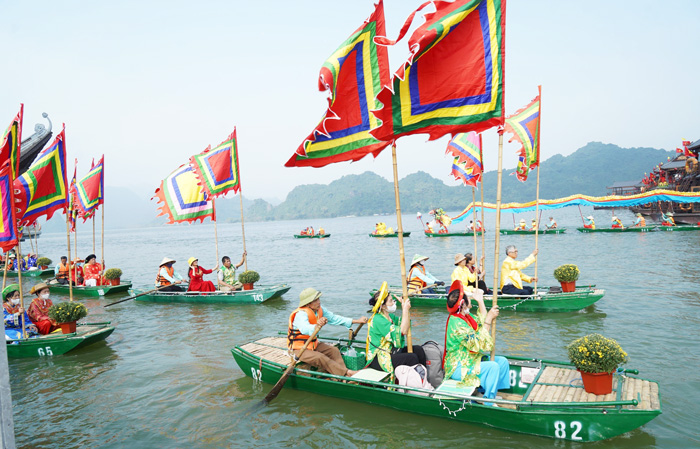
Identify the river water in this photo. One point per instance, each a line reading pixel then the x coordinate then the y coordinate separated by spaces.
pixel 166 377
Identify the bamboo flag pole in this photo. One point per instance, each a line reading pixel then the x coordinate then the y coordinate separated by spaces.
pixel 102 236
pixel 36 241
pixel 70 271
pixel 21 293
pixel 537 200
pixel 474 231
pixel 497 234
pixel 483 226
pixel 93 233
pixel 399 224
pixel 216 237
pixel 31 239
pixel 240 195
pixel 4 271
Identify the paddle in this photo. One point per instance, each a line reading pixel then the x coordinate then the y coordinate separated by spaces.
pixel 413 292
pixel 353 334
pixel 280 383
pixel 136 296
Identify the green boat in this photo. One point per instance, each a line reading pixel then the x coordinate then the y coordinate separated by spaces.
pixel 544 301
pixel 546 398
pixel 257 295
pixel 57 344
pixel 393 234
pixel 32 273
pixel 451 234
pixel 102 290
pixel 679 228
pixel 630 229
pixel 315 236
pixel 542 231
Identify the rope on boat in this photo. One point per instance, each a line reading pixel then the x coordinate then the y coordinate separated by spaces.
pixel 454 413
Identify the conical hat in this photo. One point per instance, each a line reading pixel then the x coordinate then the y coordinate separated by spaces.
pixel 166 260
pixel 418 258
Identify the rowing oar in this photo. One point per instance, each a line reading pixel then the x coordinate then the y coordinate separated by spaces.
pixel 413 292
pixel 353 333
pixel 280 383
pixel 140 294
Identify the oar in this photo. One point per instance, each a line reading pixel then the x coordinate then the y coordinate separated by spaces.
pixel 413 292
pixel 353 333
pixel 136 296
pixel 280 383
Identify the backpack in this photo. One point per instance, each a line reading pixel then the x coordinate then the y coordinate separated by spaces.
pixel 433 361
pixel 413 376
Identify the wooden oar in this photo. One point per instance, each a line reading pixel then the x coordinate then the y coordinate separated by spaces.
pixel 280 383
pixel 353 333
pixel 136 296
pixel 413 292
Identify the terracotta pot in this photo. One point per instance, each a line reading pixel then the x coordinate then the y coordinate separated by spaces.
pixel 44 267
pixel 114 281
pixel 68 328
pixel 568 287
pixel 597 383
pixel 247 286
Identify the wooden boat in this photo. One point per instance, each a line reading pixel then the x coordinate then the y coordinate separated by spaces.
pixel 393 234
pixel 315 236
pixel 451 234
pixel 102 290
pixel 679 228
pixel 630 229
pixel 546 397
pixel 259 294
pixel 32 273
pixel 542 231
pixel 57 344
pixel 544 301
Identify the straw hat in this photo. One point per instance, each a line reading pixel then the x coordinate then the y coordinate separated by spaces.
pixel 459 258
pixel 522 220
pixel 383 293
pixel 669 214
pixel 590 217
pixel 190 260
pixel 9 289
pixel 418 258
pixel 308 295
pixel 12 256
pixel 38 287
pixel 166 260
pixel 639 214
pixel 614 218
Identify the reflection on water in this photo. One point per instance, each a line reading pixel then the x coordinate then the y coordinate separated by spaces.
pixel 166 378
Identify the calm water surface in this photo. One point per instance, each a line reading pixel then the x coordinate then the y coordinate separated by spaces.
pixel 166 378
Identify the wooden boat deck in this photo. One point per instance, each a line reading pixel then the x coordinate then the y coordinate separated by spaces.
pixel 273 349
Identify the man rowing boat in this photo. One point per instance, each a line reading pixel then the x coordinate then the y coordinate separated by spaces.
pixel 168 279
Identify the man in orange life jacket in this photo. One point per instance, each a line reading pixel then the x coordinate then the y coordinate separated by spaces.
pixel 419 277
pixel 167 277
pixel 61 271
pixel 302 323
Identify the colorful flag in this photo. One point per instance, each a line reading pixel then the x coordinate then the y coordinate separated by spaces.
pixel 524 125
pixel 42 189
pixel 452 81
pixel 73 202
pixel 353 76
pixel 8 222
pixel 90 190
pixel 182 199
pixel 11 142
pixel 468 164
pixel 217 169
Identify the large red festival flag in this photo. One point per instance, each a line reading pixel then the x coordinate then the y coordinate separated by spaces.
pixel 42 189
pixel 89 190
pixel 452 81
pixel 524 125
pixel 217 169
pixel 8 222
pixel 353 76
pixel 11 142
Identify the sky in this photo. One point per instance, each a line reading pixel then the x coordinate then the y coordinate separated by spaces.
pixel 149 84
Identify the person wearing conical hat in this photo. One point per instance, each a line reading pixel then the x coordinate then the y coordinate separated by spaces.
pixel 14 313
pixel 302 323
pixel 38 310
pixel 419 278
pixel 522 226
pixel 196 275
pixel 466 272
pixel 640 222
pixel 511 275
pixel 616 223
pixel 386 348
pixel 589 223
pixel 168 280
pixel 533 224
pixel 667 219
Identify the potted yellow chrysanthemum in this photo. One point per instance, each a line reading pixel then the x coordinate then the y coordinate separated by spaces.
pixel 66 314
pixel 597 358
pixel 567 275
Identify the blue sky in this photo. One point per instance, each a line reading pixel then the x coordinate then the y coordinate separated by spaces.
pixel 151 83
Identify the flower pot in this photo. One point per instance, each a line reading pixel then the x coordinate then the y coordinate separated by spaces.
pixel 597 383
pixel 44 267
pixel 68 328
pixel 247 286
pixel 568 287
pixel 115 281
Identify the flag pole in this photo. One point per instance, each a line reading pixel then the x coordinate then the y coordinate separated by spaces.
pixel 36 241
pixel 483 226
pixel 21 294
pixel 70 272
pixel 537 200
pixel 102 235
pixel 4 274
pixel 31 239
pixel 216 238
pixel 93 233
pixel 474 231
pixel 399 224
pixel 240 195
pixel 497 234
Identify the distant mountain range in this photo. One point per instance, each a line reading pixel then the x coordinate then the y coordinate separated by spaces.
pixel 589 171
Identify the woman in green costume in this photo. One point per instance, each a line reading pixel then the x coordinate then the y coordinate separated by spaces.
pixel 385 337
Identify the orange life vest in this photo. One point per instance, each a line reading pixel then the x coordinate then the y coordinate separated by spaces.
pixel 160 280
pixel 62 271
pixel 295 339
pixel 416 282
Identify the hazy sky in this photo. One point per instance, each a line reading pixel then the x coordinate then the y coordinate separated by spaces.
pixel 151 83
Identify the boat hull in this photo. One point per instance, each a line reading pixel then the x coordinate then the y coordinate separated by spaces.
pixel 258 295
pixel 542 232
pixel 32 273
pixel 395 234
pixel 631 229
pixel 58 344
pixel 102 290
pixel 575 421
pixel 451 234
pixel 579 299
pixel 316 236
pixel 678 228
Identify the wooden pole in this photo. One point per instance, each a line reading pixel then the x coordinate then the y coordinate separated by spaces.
pixel 102 237
pixel 70 271
pixel 93 233
pixel 36 241
pixel 216 240
pixel 21 294
pixel 399 224
pixel 537 230
pixel 579 211
pixel 240 195
pixel 483 227
pixel 474 231
pixel 497 231
pixel 4 271
pixel 31 239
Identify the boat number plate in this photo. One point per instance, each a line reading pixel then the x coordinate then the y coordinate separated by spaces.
pixel 45 351
pixel 258 297
pixel 257 375
pixel 101 292
pixel 560 430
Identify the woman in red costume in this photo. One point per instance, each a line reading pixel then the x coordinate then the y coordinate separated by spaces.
pixel 196 273
pixel 39 309
pixel 92 271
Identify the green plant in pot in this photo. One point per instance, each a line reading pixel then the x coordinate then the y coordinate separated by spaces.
pixel 66 314
pixel 248 278
pixel 113 275
pixel 44 262
pixel 567 275
pixel 597 358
